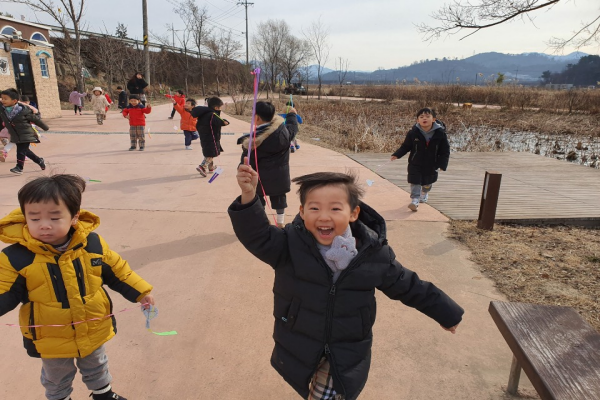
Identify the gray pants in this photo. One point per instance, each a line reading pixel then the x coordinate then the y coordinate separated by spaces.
pixel 58 373
pixel 416 190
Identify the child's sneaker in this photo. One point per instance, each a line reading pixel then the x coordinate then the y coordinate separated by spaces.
pixel 414 204
pixel 212 169
pixel 297 147
pixel 141 148
pixel 292 149
pixel 131 148
pixel 424 197
pixel 107 395
pixel 188 147
pixel 202 170
pixel 42 164
pixel 16 170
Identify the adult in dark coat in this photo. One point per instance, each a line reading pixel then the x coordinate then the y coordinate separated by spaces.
pixel 18 123
pixel 272 157
pixel 315 317
pixel 136 85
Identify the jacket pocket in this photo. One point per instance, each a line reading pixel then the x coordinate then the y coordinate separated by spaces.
pixel 80 278
pixel 292 315
pixel 58 284
pixel 32 321
pixel 367 323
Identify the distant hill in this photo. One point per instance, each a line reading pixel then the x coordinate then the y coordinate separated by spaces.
pixel 525 68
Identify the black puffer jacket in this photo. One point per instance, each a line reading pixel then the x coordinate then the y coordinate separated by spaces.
pixel 273 151
pixel 19 127
pixel 291 123
pixel 209 128
pixel 425 158
pixel 136 86
pixel 314 316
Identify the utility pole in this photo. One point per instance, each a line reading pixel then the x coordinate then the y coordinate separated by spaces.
pixel 146 47
pixel 246 4
pixel 173 31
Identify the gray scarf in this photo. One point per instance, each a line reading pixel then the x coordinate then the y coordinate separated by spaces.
pixel 340 253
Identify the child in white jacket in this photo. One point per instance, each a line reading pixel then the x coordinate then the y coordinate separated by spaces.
pixel 99 105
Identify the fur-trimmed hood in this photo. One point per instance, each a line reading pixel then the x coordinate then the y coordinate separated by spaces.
pixel 263 134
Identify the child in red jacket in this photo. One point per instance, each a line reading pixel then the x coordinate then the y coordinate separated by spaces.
pixel 188 123
pixel 137 121
pixel 178 98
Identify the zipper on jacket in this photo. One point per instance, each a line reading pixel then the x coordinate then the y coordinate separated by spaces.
pixel 32 321
pixel 80 280
pixel 414 155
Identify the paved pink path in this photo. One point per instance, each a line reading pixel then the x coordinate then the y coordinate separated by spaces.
pixel 172 226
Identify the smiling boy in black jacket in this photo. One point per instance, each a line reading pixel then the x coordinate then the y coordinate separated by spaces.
pixel 327 264
pixel 429 152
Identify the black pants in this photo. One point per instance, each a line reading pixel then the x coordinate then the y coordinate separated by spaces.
pixel 76 108
pixel 22 152
pixel 278 203
pixel 173 112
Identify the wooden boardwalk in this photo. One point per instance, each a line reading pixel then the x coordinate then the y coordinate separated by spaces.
pixel 534 189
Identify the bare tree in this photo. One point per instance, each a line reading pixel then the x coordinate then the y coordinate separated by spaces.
pixel 317 35
pixel 341 66
pixel 268 44
pixel 65 13
pixel 296 52
pixel 473 16
pixel 223 49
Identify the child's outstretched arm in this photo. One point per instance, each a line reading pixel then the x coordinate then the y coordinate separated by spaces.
pixel 35 118
pixel 251 224
pixel 117 274
pixel 443 155
pixel 404 148
pixel 399 283
pixel 12 286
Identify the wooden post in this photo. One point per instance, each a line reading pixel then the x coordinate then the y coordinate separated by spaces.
pixel 489 200
pixel 513 378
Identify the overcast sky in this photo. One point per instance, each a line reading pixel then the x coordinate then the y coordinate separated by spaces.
pixel 371 34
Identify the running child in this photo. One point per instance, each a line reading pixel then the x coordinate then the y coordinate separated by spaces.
pixel 56 265
pixel 99 104
pixel 188 122
pixel 429 152
pixel 209 128
pixel 17 119
pixel 328 263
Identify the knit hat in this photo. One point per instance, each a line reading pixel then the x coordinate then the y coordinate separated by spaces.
pixel 99 89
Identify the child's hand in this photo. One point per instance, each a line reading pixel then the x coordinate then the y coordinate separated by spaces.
pixel 147 301
pixel 247 180
pixel 453 329
pixel 393 158
pixel 226 122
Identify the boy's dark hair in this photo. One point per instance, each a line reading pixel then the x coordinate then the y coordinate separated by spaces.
pixel 320 179
pixel 134 97
pixel 119 88
pixel 426 110
pixel 180 91
pixel 67 188
pixel 214 102
pixel 193 101
pixel 265 110
pixel 12 93
pixel 24 98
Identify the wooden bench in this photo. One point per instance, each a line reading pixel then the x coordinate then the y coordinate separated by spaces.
pixel 557 349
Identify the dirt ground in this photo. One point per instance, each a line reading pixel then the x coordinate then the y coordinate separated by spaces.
pixel 557 265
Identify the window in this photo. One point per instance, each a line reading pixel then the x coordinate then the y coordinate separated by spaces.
pixel 44 67
pixel 39 37
pixel 8 30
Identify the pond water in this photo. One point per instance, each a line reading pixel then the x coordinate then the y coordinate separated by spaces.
pixel 577 149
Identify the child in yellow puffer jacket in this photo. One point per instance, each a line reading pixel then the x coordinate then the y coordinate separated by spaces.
pixel 57 266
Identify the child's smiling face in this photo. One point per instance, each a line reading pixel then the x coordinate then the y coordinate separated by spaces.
pixel 327 213
pixel 7 101
pixel 134 102
pixel 49 222
pixel 188 106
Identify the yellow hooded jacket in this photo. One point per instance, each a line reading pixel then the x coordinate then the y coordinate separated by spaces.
pixel 63 288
